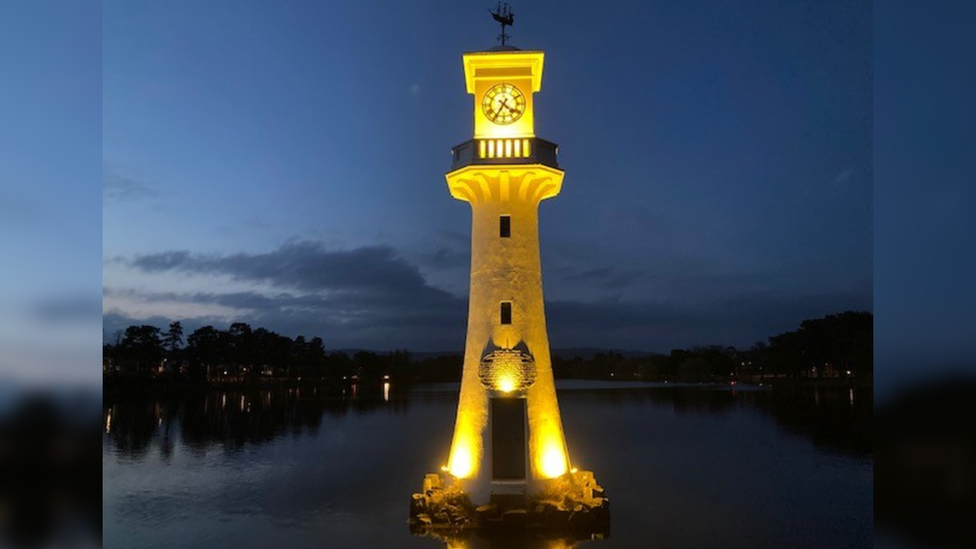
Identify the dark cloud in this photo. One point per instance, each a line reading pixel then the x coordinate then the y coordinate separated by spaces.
pixel 119 187
pixel 738 320
pixel 606 277
pixel 366 296
pixel 373 298
pixel 343 320
pixel 300 265
pixel 446 258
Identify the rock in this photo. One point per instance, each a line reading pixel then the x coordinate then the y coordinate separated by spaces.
pixel 514 517
pixel 432 481
pixel 418 504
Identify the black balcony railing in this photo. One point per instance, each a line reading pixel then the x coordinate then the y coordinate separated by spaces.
pixel 505 150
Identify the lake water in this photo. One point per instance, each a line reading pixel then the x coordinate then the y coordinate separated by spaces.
pixel 684 467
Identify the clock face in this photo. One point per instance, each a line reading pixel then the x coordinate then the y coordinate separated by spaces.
pixel 503 104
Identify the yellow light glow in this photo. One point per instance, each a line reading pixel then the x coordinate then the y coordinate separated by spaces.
pixel 462 462
pixel 506 384
pixel 553 462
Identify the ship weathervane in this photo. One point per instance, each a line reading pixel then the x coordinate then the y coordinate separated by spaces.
pixel 503 14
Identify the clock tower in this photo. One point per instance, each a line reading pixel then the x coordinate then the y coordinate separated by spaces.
pixel 508 438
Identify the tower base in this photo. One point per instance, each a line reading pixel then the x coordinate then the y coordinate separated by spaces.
pixel 573 505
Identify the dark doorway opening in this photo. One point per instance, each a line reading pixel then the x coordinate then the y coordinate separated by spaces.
pixel 508 438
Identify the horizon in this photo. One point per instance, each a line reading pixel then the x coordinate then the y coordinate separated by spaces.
pixel 163 324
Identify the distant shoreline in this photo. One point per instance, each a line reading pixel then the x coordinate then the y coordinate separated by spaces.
pixel 161 387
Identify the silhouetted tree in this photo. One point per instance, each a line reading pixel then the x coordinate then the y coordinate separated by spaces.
pixel 204 351
pixel 140 350
pixel 173 339
pixel 837 343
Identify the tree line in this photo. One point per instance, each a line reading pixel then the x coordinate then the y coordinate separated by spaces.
pixel 242 354
pixel 837 345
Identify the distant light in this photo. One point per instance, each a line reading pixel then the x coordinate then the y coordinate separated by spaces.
pixel 574 470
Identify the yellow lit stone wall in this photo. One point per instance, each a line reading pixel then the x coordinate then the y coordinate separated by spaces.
pixel 506 269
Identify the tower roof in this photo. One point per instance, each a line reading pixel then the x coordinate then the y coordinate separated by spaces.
pixel 500 60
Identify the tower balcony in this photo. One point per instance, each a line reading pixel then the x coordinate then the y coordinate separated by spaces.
pixel 505 150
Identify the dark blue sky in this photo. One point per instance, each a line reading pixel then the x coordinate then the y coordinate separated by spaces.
pixel 283 165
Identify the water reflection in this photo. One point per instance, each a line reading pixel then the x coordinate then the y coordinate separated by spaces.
pixel 233 418
pixel 789 467
pixel 833 418
pixel 526 540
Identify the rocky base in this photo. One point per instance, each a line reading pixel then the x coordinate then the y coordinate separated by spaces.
pixel 573 503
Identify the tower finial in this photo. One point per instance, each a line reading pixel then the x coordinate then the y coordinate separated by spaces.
pixel 503 14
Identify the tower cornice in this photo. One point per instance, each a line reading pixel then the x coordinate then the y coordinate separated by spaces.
pixel 493 64
pixel 481 184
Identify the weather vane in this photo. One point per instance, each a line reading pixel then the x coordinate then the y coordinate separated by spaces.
pixel 503 14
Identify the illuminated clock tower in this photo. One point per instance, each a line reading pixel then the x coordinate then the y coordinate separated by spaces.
pixel 508 437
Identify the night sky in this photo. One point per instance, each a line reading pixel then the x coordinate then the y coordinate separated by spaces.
pixel 282 164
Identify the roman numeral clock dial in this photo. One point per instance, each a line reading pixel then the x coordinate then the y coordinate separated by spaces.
pixel 503 104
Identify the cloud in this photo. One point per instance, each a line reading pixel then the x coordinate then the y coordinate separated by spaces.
pixel 446 258
pixel 367 296
pixel 371 297
pixel 660 326
pixel 302 265
pixel 606 277
pixel 117 187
